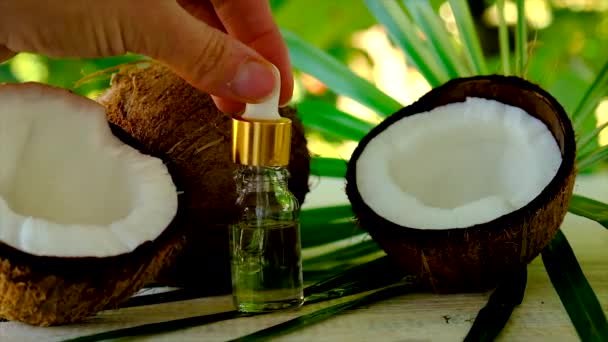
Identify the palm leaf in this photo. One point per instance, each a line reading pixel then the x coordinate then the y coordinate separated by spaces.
pixel 327 119
pixel 316 216
pixel 503 38
pixel 337 76
pixel 160 327
pixel 469 36
pixel 354 252
pixel 163 297
pixel 382 269
pixel 574 290
pixel 325 313
pixel 434 30
pixel 593 158
pixel 584 141
pixel 6 75
pixel 589 208
pixel 336 286
pixel 327 224
pixel 373 274
pixel 492 318
pixel 326 233
pixel 521 40
pixel 328 167
pixel 403 33
pixel 313 276
pixel 591 99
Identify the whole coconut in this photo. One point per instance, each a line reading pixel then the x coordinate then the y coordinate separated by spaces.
pixel 172 118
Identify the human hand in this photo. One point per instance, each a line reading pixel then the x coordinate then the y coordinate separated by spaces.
pixel 221 47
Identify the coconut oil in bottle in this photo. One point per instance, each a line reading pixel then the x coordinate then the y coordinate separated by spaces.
pixel 266 265
pixel 265 242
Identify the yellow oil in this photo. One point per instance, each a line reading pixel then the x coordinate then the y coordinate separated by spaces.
pixel 266 266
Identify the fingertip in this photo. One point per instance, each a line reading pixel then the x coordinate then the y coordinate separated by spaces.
pixel 207 58
pixel 287 85
pixel 286 95
pixel 228 106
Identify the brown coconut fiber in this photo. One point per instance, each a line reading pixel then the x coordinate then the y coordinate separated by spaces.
pixel 46 290
pixel 171 118
pixel 477 258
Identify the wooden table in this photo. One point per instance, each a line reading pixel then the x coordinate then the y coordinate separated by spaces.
pixel 413 317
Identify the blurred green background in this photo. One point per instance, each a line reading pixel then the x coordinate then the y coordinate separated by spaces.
pixel 570 46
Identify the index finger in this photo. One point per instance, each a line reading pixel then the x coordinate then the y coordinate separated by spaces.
pixel 251 22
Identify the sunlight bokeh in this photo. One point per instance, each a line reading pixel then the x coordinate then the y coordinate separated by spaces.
pixel 582 5
pixel 601 113
pixel 28 67
pixel 387 68
pixel 538 14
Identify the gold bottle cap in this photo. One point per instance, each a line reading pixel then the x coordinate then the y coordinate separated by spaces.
pixel 261 142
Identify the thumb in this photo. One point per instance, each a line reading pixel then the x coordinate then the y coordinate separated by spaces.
pixel 205 57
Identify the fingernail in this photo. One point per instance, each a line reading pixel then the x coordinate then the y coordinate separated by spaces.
pixel 254 81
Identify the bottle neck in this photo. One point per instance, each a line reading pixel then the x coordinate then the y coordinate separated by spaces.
pixel 260 178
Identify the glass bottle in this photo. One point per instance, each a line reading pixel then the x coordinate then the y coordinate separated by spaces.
pixel 265 250
pixel 265 242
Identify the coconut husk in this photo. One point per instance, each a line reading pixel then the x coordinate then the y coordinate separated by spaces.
pixel 477 258
pixel 171 118
pixel 50 291
pixel 46 290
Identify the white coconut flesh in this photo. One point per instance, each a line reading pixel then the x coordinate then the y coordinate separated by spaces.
pixel 68 186
pixel 457 165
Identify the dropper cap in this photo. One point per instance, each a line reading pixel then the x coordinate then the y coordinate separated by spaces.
pixel 261 137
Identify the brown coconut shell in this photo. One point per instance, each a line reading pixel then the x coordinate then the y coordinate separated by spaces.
pixel 476 258
pixel 47 290
pixel 170 117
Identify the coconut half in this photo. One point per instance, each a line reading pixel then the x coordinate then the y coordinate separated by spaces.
pixel 170 117
pixel 84 216
pixel 469 183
